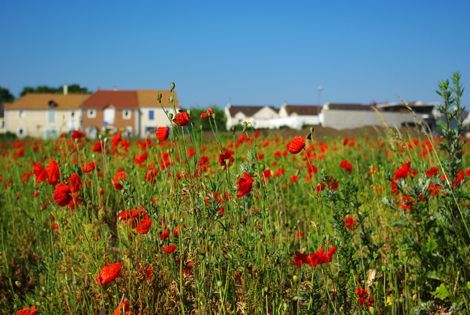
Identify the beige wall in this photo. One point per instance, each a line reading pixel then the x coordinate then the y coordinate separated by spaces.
pixel 160 119
pixel 35 123
pixel 345 119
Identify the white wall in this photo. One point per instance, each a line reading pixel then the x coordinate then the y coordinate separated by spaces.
pixel 35 123
pixel 160 118
pixel 348 119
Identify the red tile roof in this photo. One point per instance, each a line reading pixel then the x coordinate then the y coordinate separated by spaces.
pixel 119 99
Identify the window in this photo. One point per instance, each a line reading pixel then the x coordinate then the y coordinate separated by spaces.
pixel 73 114
pixel 126 114
pixel 91 113
pixel 20 131
pixel 20 113
pixel 51 116
pixel 151 114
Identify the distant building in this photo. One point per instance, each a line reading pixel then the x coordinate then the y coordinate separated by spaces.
pixel 257 116
pixel 153 114
pixel 348 116
pixel 298 116
pixel 111 110
pixel 44 115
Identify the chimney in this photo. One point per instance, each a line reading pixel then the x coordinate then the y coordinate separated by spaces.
pixel 66 89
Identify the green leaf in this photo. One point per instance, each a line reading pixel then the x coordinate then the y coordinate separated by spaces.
pixel 441 292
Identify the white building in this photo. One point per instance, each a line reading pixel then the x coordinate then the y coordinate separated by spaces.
pixel 298 116
pixel 44 115
pixel 154 114
pixel 349 116
pixel 257 116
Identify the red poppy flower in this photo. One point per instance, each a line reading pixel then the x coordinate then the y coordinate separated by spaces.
pixel 144 226
pixel 116 139
pixel 245 184
pixel 151 175
pixel 433 171
pixel 349 222
pixel 62 195
pixel 78 135
pixel 108 273
pixel 140 158
pixel 404 171
pixel 226 158
pixel 74 182
pixel 162 133
pixel 27 311
pixel 88 167
pixel 208 113
pixel 363 297
pixel 346 166
pixel 181 119
pixel 97 147
pixel 120 175
pixel 296 145
pixel 299 259
pixel 39 172
pixel 169 249
pixel 123 308
pixel 53 172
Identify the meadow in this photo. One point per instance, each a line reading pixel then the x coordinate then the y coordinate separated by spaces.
pixel 236 222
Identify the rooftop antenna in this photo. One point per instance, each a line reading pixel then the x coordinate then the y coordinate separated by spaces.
pixel 320 90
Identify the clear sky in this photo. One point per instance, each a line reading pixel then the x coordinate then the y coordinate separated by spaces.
pixel 245 52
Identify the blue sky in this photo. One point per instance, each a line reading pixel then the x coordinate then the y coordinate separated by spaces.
pixel 246 52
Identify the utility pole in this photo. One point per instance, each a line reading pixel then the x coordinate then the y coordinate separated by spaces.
pixel 320 90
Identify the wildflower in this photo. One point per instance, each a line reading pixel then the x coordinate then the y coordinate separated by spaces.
pixel 299 259
pixel 209 113
pixel 346 166
pixel 116 139
pixel 363 297
pixel 460 177
pixel 123 308
pixel 151 175
pixel 404 171
pixel 296 145
pixel 78 135
pixel 62 195
pixel 181 119
pixel 27 311
pixel 120 175
pixel 433 171
pixel 140 158
pixel 74 182
pixel 162 133
pixel 88 167
pixel 108 273
pixel 97 147
pixel 245 184
pixel 169 249
pixel 39 172
pixel 53 172
pixel 349 222
pixel 226 158
pixel 144 226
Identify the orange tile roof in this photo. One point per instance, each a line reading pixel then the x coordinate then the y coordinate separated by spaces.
pixel 119 99
pixel 40 101
pixel 148 98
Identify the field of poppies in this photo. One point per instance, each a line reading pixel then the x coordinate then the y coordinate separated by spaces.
pixel 236 222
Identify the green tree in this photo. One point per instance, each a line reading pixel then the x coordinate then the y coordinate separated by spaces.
pixel 72 89
pixel 6 96
pixel 219 117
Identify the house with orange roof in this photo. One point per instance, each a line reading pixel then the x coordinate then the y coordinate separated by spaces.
pixel 156 107
pixel 111 110
pixel 44 115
